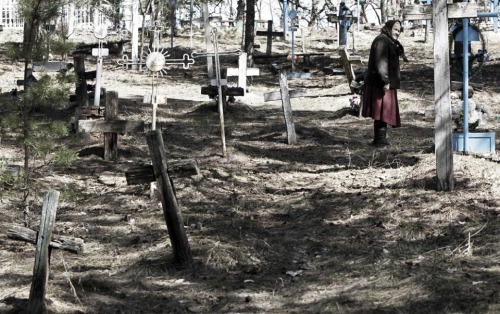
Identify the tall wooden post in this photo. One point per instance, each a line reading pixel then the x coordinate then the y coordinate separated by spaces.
pixel 208 30
pixel 135 34
pixel 111 114
pixel 171 212
pixel 443 133
pixel 41 269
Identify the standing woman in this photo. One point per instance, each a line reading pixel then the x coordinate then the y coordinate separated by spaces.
pixel 382 79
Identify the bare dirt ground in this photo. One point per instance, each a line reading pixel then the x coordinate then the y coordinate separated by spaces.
pixel 330 225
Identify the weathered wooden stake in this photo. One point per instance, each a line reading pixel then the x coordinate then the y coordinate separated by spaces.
pixel 287 109
pixel 171 212
pixel 349 72
pixel 111 114
pixel 285 94
pixel 36 302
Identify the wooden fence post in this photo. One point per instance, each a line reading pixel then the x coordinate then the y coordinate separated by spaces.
pixel 41 269
pixel 171 212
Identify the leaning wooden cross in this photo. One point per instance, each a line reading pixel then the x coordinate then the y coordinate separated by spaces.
pixel 285 94
pixel 45 242
pixel 440 12
pixel 161 172
pixel 111 126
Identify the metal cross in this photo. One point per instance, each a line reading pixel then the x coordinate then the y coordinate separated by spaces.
pixel 100 32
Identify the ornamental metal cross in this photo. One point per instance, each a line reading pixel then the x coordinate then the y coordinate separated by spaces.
pixel 155 62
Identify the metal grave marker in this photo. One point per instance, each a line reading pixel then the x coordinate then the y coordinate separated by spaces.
pixel 100 32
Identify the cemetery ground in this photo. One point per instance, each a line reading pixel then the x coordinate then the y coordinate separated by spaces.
pixel 329 225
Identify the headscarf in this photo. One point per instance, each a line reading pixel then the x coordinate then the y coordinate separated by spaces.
pixel 387 30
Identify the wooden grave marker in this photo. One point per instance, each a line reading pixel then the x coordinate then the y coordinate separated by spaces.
pixel 440 11
pixel 45 242
pixel 269 34
pixel 285 94
pixel 111 126
pixel 160 172
pixel 242 71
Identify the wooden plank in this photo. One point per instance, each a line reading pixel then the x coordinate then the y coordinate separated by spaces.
pixel 455 11
pixel 299 75
pixel 117 126
pixel 267 33
pixel 171 212
pixel 50 66
pixel 443 132
pixel 36 303
pixel 346 62
pixel 70 244
pixel 111 138
pixel 236 72
pixel 292 94
pixel 287 109
pixel 176 169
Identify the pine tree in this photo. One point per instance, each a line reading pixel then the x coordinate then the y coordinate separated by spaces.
pixel 46 92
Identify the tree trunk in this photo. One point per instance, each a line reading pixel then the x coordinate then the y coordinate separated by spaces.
pixel 240 10
pixel 250 31
pixel 314 13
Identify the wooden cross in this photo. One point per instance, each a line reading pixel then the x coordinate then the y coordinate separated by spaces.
pixel 45 242
pixel 111 126
pixel 285 94
pixel 440 12
pixel 242 71
pixel 161 172
pixel 269 34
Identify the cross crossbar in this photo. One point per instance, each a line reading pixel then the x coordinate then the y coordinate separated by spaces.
pixel 455 11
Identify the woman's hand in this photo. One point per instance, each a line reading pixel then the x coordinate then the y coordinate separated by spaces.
pixel 387 87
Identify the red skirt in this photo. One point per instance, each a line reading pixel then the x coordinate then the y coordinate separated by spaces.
pixel 381 105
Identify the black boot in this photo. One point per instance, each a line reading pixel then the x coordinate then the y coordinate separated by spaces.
pixel 380 131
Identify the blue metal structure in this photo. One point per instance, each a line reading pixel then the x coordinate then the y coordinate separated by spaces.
pixel 480 139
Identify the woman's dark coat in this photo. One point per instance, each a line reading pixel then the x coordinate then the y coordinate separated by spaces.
pixel 383 65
